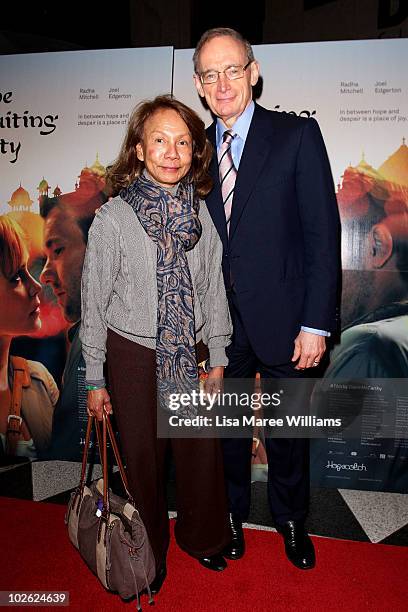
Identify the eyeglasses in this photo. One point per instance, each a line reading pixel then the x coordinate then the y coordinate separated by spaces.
pixel 232 73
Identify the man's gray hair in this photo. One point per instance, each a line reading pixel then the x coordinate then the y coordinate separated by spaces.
pixel 215 33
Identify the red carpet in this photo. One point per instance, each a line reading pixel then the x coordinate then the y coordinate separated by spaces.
pixel 36 554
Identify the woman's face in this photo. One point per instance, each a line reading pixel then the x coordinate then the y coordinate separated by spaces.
pixel 19 312
pixel 167 147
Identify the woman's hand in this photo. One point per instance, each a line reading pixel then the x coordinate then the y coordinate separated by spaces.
pixel 98 401
pixel 214 382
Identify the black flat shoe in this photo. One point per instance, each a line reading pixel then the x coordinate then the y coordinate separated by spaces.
pixel 236 548
pixel 216 563
pixel 298 546
pixel 157 583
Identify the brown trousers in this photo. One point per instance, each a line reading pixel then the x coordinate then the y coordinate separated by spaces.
pixel 202 526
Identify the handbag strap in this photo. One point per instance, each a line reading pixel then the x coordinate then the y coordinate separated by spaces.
pixel 85 453
pixel 117 456
pixel 107 430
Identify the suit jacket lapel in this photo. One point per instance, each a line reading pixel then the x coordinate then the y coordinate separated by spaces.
pixel 258 145
pixel 214 198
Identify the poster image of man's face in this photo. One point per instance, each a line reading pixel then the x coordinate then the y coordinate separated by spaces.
pixel 64 247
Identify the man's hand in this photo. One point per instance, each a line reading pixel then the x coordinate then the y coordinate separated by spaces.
pixel 98 401
pixel 213 383
pixel 309 350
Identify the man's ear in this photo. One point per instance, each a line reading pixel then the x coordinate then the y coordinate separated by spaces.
pixel 381 245
pixel 254 68
pixel 198 84
pixel 139 152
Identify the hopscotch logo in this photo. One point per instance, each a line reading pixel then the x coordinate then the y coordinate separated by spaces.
pixel 346 466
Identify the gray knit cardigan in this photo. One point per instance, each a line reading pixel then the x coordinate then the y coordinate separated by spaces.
pixel 119 287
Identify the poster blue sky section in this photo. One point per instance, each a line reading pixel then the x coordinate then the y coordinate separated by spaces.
pixel 356 90
pixel 59 110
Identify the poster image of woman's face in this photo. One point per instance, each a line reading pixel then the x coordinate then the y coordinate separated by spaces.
pixel 19 291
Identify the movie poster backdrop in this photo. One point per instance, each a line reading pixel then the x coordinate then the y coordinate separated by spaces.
pixel 62 119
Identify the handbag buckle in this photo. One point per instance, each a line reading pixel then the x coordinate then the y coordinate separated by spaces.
pixel 14 416
pixel 17 428
pixel 104 518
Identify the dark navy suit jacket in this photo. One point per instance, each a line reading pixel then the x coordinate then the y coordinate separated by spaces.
pixel 282 252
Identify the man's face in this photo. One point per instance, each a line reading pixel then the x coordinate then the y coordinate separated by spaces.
pixel 65 251
pixel 226 99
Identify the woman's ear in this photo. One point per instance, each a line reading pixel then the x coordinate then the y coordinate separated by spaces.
pixel 139 151
pixel 381 244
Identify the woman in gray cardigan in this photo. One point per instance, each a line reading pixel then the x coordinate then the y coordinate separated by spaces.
pixel 153 302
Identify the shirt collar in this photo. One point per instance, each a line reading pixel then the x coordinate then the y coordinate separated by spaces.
pixel 240 127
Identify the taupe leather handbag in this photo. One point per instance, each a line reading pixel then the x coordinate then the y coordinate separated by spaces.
pixel 107 530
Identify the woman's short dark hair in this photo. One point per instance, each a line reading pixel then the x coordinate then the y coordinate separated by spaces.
pixel 127 166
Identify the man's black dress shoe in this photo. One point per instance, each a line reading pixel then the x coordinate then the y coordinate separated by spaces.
pixel 236 548
pixel 157 583
pixel 298 546
pixel 216 563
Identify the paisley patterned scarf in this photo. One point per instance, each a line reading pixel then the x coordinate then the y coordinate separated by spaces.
pixel 172 223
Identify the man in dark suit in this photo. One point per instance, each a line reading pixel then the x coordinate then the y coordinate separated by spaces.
pixel 274 206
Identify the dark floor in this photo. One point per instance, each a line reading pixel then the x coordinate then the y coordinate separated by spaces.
pixel 333 513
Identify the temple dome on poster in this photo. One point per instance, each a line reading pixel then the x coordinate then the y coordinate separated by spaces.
pixel 20 199
pixel 43 187
pixel 387 186
pixel 365 168
pixel 97 167
pixel 395 168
